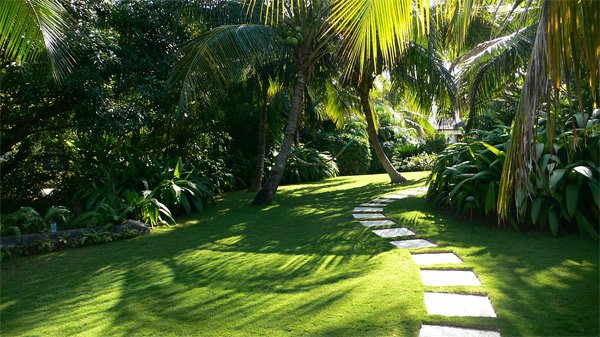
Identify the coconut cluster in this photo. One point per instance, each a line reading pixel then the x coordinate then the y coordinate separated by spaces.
pixel 293 36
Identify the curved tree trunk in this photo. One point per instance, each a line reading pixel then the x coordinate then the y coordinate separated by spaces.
pixel 363 91
pixel 262 142
pixel 267 194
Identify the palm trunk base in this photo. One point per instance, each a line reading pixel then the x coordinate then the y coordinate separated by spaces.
pixel 397 178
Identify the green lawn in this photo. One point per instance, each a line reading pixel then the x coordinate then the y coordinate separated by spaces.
pixel 299 267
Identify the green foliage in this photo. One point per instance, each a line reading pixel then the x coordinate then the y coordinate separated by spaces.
pixel 102 214
pixel 421 162
pixel 471 168
pixel 562 192
pixel 307 164
pixel 25 220
pixel 58 214
pixel 146 189
pixel 356 157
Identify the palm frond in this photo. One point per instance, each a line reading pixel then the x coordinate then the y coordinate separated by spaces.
pixel 420 72
pixel 29 28
pixel 374 29
pixel 222 55
pixel 483 71
pixel 340 104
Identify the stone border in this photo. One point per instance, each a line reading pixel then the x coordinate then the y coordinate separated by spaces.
pixel 35 243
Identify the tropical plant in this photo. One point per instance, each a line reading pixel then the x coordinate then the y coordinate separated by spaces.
pixel 58 214
pixel 565 183
pixel 420 162
pixel 307 164
pixel 213 53
pixel 484 72
pixel 354 159
pixel 567 43
pixel 25 220
pixel 470 169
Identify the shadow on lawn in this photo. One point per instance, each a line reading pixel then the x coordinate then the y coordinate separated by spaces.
pixel 539 285
pixel 224 268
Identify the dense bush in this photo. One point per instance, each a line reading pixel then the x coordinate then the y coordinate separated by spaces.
pixel 306 164
pixel 356 157
pixel 23 221
pixel 563 189
pixel 421 162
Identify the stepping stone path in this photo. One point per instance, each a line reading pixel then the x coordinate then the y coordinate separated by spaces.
pixel 374 216
pixel 370 214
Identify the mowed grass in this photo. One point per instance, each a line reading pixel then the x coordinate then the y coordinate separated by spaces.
pixel 539 285
pixel 300 267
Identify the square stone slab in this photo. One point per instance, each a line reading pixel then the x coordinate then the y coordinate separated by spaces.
pixel 368 209
pixel 375 223
pixel 372 204
pixel 373 216
pixel 450 331
pixel 415 191
pixel 395 196
pixel 393 232
pixel 444 278
pixel 458 305
pixel 412 244
pixel 435 258
pixel 382 200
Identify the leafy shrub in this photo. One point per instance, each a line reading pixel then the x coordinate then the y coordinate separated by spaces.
pixel 102 215
pixel 434 144
pixel 146 189
pixel 405 150
pixel 58 214
pixel 471 168
pixel 421 162
pixel 25 220
pixel 356 157
pixel 306 164
pixel 564 191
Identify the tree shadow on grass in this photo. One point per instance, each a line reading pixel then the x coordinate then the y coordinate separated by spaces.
pixel 234 267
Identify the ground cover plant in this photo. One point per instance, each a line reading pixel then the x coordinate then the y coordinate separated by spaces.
pixel 299 267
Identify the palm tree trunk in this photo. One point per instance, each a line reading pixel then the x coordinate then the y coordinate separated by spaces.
pixel 262 142
pixel 267 194
pixel 395 177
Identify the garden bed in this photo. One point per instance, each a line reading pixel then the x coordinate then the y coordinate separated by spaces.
pixel 50 241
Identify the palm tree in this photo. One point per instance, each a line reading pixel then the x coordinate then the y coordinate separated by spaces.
pixel 216 53
pixel 418 70
pixel 29 28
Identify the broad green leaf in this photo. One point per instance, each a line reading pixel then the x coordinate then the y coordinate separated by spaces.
pixel 539 150
pixel 177 172
pixel 553 222
pixel 536 207
pixel 584 171
pixel 585 227
pixel 572 197
pixel 490 198
pixel 555 178
pixel 491 148
pixel 521 198
pixel 595 193
pixel 186 204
